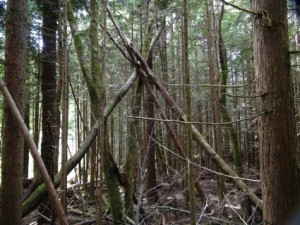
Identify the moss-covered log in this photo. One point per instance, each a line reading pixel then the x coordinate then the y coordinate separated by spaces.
pixel 41 192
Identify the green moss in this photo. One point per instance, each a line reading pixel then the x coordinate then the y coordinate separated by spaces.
pixel 112 183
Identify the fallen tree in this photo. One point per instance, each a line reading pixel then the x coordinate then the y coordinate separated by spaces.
pixel 41 192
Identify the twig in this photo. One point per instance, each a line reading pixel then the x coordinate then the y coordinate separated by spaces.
pixel 244 96
pixel 193 122
pixel 208 85
pixel 202 212
pixel 244 222
pixel 86 222
pixel 205 168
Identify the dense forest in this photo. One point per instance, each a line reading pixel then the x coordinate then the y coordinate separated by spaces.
pixel 149 112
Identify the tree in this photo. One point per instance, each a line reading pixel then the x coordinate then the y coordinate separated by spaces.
pixel 150 148
pixel 63 70
pixel 233 136
pixel 188 102
pixel 277 136
pixel 13 143
pixel 214 75
pixel 48 86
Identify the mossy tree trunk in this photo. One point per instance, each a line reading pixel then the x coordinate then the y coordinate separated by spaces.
pixel 131 160
pixel 234 141
pixel 188 103
pixel 213 64
pixel 96 95
pixel 112 181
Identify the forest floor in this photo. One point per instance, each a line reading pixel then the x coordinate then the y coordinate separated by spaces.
pixel 172 208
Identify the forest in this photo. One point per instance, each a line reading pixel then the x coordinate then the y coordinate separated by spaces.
pixel 149 112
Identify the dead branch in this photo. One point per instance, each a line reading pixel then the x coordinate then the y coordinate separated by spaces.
pixel 241 9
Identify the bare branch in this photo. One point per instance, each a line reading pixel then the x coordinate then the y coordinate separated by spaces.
pixel 193 122
pixel 241 9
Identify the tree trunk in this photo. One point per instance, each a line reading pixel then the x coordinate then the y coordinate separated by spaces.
pixel 150 153
pixel 63 62
pixel 48 149
pixel 13 144
pixel 277 133
pixel 188 102
pixel 234 142
pixel 214 80
pixel 112 181
pixel 26 149
pixel 131 162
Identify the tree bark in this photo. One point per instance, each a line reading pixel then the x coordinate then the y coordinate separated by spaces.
pixel 188 102
pixel 214 80
pixel 150 149
pixel 48 89
pixel 277 132
pixel 13 143
pixel 63 62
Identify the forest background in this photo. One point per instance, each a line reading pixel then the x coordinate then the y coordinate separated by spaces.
pixel 195 103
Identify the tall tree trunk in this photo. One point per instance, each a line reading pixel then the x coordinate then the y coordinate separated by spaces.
pixel 131 161
pixel 151 192
pixel 36 131
pixel 63 61
pixel 26 149
pixel 277 132
pixel 101 138
pixel 48 83
pixel 95 85
pixel 214 80
pixel 188 102
pixel 165 79
pixel 234 141
pixel 112 181
pixel 13 143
